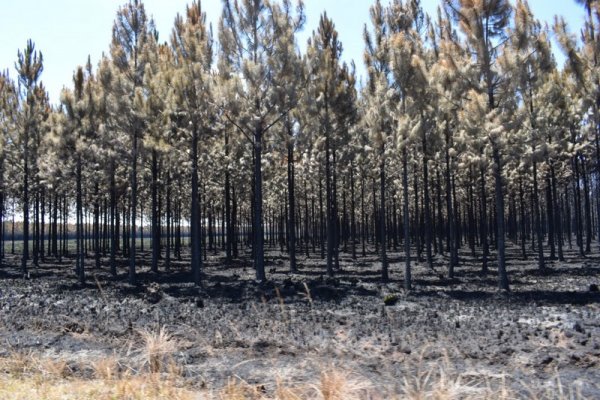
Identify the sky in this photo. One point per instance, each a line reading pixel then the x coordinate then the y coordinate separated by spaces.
pixel 67 31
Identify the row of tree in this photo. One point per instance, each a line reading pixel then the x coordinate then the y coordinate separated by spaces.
pixel 465 134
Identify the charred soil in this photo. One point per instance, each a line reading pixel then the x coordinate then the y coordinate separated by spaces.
pixel 542 337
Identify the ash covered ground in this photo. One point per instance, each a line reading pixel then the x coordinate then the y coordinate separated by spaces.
pixel 542 337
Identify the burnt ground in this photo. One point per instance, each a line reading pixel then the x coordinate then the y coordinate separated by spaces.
pixel 542 335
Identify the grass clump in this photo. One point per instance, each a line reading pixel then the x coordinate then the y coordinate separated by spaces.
pixel 390 299
pixel 157 349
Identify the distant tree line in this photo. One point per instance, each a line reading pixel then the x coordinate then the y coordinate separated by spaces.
pixel 465 136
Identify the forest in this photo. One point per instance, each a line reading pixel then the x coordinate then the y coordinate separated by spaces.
pixel 231 164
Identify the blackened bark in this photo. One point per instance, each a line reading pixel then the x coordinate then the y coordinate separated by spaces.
pixel 352 213
pixel 25 256
pixel 55 226
pixel 169 235
pixel 537 217
pixel 384 260
pixel 578 218
pixel 97 248
pixel 79 265
pixel 292 201
pixel 155 214
pixel 500 237
pixel 417 228
pixel 133 207
pixel 427 205
pixel 257 228
pixel 407 269
pixel 439 225
pixel 557 215
pixel 452 250
pixel 587 208
pixel 306 221
pixel 329 211
pixel 194 213
pixel 334 214
pixel 364 217
pixel 522 219
pixel 234 221
pixel 484 229
pixel 550 218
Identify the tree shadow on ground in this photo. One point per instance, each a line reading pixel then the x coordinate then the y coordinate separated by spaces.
pixel 522 297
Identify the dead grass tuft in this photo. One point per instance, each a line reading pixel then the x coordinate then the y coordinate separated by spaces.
pixel 238 389
pixel 27 376
pixel 158 349
pixel 338 385
pixel 106 368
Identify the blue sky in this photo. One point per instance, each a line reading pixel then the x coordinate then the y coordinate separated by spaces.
pixel 66 31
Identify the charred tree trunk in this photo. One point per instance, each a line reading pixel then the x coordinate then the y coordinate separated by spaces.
pixel 114 221
pixel 452 250
pixel 500 236
pixel 578 218
pixel 550 218
pixel 407 269
pixel 133 205
pixel 292 202
pixel 522 219
pixel 587 208
pixel 364 217
pixel 382 232
pixel 257 229
pixel 427 205
pixel 97 248
pixel 537 217
pixel 168 222
pixel 155 229
pixel 484 229
pixel 79 266
pixel 557 215
pixel 352 213
pixel 25 256
pixel 195 214
pixel 329 211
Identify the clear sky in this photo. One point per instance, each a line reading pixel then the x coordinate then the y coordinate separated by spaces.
pixel 66 31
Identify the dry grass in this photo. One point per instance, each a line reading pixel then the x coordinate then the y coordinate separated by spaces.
pixel 107 368
pixel 27 376
pixel 157 350
pixel 94 389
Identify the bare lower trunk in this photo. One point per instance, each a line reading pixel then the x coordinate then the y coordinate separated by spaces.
pixel 407 269
pixel 194 214
pixel 538 223
pixel 259 259
pixel 133 205
pixel 500 238
pixel 292 207
pixel 384 261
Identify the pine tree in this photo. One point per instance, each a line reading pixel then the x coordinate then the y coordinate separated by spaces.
pixel 29 68
pixel 531 62
pixel 327 79
pixel 405 21
pixel 483 23
pixel 248 37
pixel 192 43
pixel 8 114
pixel 378 116
pixel 76 110
pixel 132 41
pixel 290 69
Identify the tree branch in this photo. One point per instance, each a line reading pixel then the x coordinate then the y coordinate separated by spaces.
pixel 249 137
